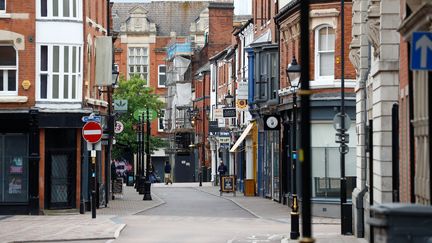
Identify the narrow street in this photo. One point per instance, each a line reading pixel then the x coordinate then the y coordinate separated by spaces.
pixel 192 215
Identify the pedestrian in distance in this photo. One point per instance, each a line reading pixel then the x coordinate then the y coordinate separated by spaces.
pixel 222 169
pixel 167 173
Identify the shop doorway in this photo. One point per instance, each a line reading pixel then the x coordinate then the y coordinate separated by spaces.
pixel 60 167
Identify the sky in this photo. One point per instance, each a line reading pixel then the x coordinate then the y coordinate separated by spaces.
pixel 241 7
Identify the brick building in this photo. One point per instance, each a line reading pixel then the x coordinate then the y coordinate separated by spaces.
pixel 44 93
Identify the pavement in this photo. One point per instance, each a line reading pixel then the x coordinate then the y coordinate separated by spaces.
pixel 108 224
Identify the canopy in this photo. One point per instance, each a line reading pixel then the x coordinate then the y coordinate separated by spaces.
pixel 242 137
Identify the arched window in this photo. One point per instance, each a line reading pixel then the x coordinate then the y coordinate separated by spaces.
pixel 8 70
pixel 324 52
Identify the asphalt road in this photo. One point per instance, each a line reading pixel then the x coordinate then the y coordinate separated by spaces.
pixel 191 216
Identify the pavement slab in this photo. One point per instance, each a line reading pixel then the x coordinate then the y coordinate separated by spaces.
pixel 58 228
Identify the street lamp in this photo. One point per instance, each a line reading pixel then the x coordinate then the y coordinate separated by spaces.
pixel 229 99
pixel 293 73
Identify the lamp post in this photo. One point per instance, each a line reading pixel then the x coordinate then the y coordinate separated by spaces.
pixel 293 72
pixel 229 100
pixel 147 185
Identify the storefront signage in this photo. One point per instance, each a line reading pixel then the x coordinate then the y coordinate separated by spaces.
pixel 229 112
pixel 224 139
pixel 242 90
pixel 121 106
pixel 218 113
pixel 228 184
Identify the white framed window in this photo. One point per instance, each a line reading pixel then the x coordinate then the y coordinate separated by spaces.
pixel 138 62
pixel 60 9
pixel 161 121
pixel 2 6
pixel 161 75
pixel 324 52
pixel 8 70
pixel 59 72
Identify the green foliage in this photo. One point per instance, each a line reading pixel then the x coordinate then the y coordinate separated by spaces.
pixel 139 96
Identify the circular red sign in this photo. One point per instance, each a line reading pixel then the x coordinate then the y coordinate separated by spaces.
pixel 92 132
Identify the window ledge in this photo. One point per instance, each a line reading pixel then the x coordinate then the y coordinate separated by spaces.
pixel 5 15
pixel 13 99
pixel 96 102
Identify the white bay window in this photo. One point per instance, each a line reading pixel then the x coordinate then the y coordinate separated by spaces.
pixel 60 9
pixel 59 73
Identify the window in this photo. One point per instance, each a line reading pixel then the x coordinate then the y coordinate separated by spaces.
pixel 162 76
pixel 13 168
pixel 324 52
pixel 161 119
pixel 8 71
pixel 59 72
pixel 68 9
pixel 138 62
pixel 2 6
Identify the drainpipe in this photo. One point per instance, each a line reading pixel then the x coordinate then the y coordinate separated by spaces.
pixel 359 200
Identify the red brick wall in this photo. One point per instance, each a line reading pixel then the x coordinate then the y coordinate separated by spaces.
pixel 26 57
pixel 220 29
pixel 263 12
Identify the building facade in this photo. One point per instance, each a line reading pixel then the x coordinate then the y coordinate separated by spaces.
pixel 45 93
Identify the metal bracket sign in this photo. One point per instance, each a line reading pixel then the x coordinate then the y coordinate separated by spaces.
pixel 421 51
pixel 121 106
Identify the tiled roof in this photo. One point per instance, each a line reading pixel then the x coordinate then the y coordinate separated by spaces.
pixel 168 16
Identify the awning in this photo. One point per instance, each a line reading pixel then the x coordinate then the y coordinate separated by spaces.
pixel 242 137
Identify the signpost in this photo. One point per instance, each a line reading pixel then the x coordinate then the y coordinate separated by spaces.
pixel 92 133
pixel 421 51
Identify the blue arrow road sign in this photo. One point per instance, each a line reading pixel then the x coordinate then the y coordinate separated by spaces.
pixel 421 51
pixel 91 118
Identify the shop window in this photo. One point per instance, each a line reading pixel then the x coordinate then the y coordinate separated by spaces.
pixel 324 52
pixel 13 168
pixel 161 76
pixel 138 62
pixel 59 72
pixel 8 70
pixel 68 9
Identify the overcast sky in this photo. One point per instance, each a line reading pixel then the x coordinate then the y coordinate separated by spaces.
pixel 241 7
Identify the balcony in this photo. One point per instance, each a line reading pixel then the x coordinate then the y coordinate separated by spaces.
pixel 179 49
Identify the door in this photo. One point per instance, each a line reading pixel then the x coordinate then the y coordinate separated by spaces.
pixel 60 168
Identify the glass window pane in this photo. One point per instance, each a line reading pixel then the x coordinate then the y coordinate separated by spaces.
pixel 74 56
pixel 162 69
pixel 74 88
pixel 56 58
pixel 44 8
pixel 55 6
pixel 66 8
pixel 138 69
pixel 1 80
pixel 79 59
pixel 7 56
pixel 2 5
pixel 144 60
pixel 55 87
pixel 131 59
pixel 326 64
pixel 11 80
pixel 331 40
pixel 66 87
pixel 322 39
pixel 145 69
pixel 43 86
pixel 162 79
pixel 66 58
pixel 44 58
pixel 74 2
pixel 131 69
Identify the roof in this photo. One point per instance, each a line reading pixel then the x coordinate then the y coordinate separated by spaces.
pixel 168 16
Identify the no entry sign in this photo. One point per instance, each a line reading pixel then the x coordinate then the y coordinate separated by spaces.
pixel 92 132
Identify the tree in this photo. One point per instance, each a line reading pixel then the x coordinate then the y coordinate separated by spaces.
pixel 139 97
